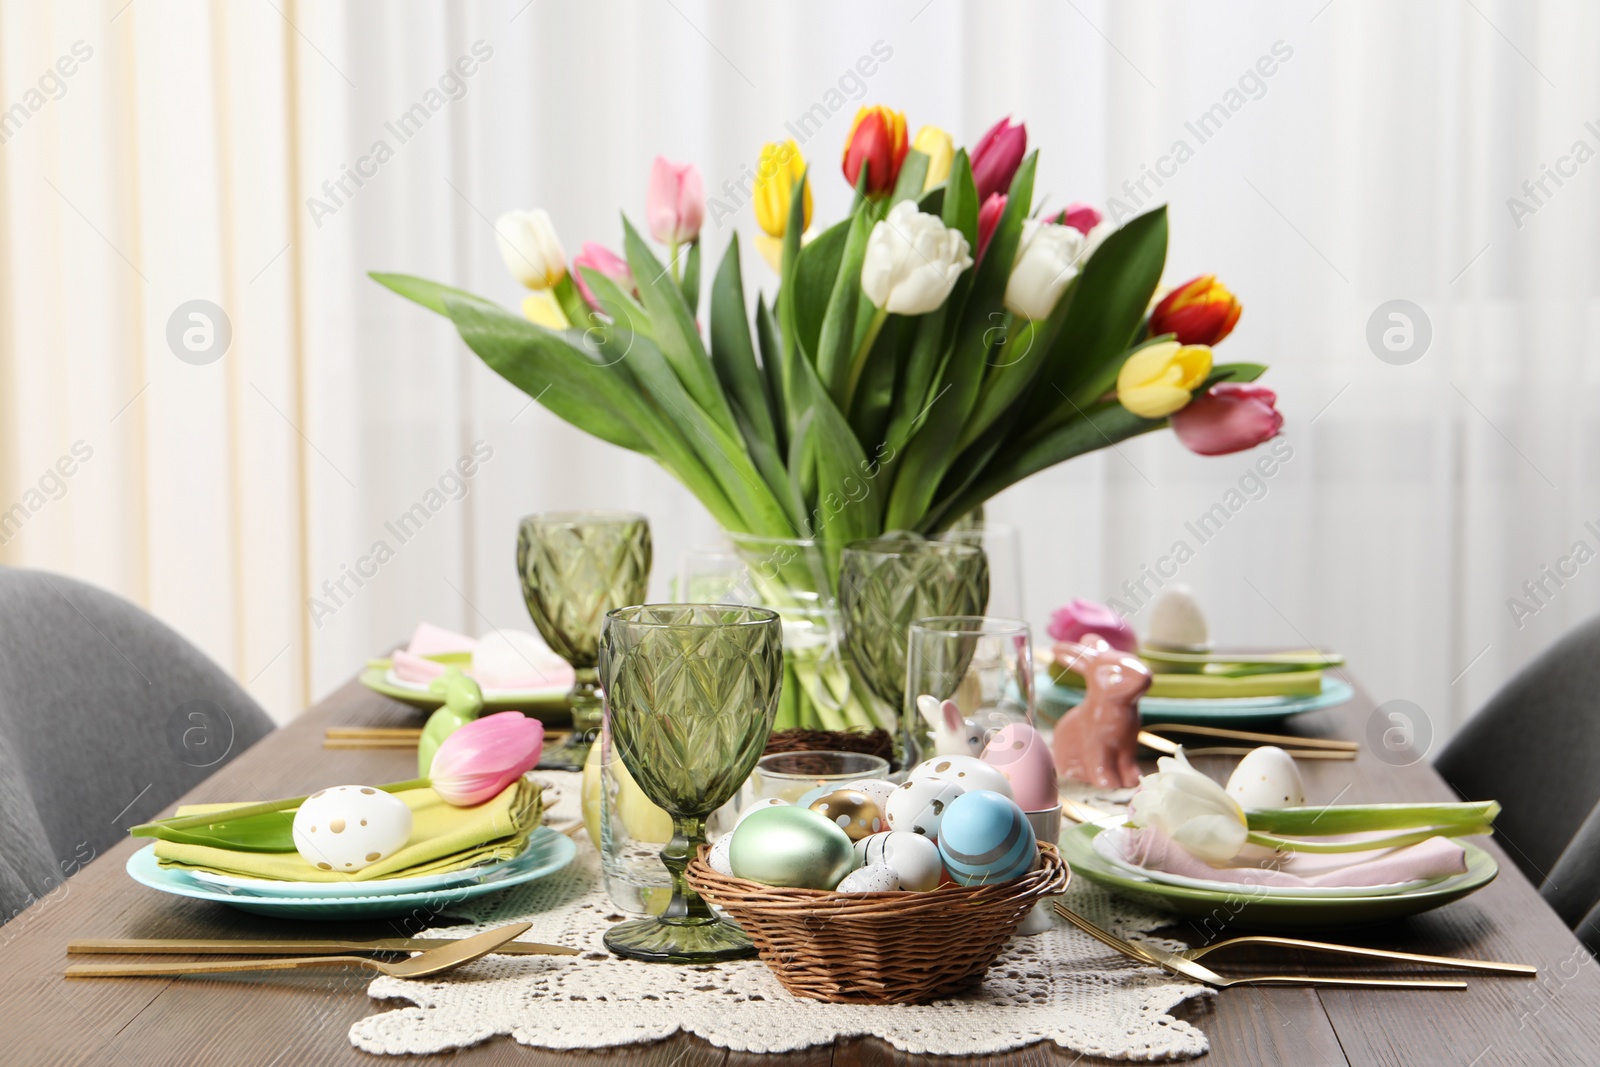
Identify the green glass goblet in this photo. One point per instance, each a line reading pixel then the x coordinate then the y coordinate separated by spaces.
pixel 690 694
pixel 575 566
pixel 886 584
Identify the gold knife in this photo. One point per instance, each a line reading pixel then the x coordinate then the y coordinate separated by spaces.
pixel 273 947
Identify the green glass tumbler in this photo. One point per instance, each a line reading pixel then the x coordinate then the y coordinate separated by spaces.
pixel 886 584
pixel 574 567
pixel 690 694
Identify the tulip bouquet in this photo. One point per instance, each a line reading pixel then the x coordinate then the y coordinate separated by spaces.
pixel 472 765
pixel 942 342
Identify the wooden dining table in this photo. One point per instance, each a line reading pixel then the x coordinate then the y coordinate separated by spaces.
pixel 282 1018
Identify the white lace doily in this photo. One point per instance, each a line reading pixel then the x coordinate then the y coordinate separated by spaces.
pixel 1059 986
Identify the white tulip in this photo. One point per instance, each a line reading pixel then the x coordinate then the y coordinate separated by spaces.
pixel 1047 259
pixel 531 249
pixel 1094 239
pixel 1191 809
pixel 912 262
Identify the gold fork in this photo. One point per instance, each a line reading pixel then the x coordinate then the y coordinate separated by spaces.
pixel 1248 735
pixel 1493 966
pixel 1173 963
pixel 1170 748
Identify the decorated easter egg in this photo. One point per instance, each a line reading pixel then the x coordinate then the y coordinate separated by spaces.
pixel 758 805
pixel 816 792
pixel 985 838
pixel 348 827
pixel 876 788
pixel 1267 778
pixel 854 813
pixel 913 857
pixel 876 879
pixel 717 858
pixel 1018 751
pixel 1177 623
pixel 919 804
pixel 791 846
pixel 968 772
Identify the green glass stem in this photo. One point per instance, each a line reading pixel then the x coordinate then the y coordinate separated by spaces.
pixel 687 908
pixel 586 706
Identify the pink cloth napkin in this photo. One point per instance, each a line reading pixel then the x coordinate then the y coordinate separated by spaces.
pixel 1432 858
pixel 431 640
pixel 413 668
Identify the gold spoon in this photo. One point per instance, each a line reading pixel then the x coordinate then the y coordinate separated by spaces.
pixel 434 961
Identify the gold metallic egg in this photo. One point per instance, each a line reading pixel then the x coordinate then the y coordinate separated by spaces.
pixel 852 811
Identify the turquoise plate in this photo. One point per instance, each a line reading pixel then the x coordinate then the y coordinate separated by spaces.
pixel 1056 700
pixel 1246 909
pixel 547 853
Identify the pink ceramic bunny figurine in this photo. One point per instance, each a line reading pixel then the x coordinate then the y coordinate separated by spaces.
pixel 1097 741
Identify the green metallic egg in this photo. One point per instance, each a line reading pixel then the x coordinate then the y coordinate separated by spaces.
pixel 791 846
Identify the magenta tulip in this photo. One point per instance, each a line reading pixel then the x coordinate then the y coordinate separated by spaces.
pixel 1081 217
pixel 597 257
pixel 988 218
pixel 1080 617
pixel 481 758
pixel 675 203
pixel 1232 417
pixel 997 156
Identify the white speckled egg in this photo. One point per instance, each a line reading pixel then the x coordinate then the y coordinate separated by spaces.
pixel 968 772
pixel 919 803
pixel 718 856
pixel 347 827
pixel 914 858
pixel 876 788
pixel 755 806
pixel 1267 778
pixel 875 879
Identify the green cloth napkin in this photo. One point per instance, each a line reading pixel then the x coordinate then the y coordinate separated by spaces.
pixel 443 838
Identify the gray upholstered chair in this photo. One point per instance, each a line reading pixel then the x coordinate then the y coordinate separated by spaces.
pixel 1535 747
pixel 106 717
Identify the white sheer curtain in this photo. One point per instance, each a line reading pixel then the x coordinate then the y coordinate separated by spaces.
pixel 1339 156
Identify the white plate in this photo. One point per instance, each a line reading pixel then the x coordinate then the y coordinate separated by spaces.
pixel 1105 851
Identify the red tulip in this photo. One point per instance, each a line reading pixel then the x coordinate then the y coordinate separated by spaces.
pixel 988 218
pixel 1201 311
pixel 878 139
pixel 481 758
pixel 997 156
pixel 597 257
pixel 1081 217
pixel 1232 417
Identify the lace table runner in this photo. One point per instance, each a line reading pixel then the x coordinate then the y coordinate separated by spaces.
pixel 1059 986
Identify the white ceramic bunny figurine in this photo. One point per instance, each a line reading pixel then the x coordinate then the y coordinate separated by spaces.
pixel 953 733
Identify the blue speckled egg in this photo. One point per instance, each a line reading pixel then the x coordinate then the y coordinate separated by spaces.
pixel 984 838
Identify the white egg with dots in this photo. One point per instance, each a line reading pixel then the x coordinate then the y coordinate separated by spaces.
pixel 919 804
pixel 968 772
pixel 346 828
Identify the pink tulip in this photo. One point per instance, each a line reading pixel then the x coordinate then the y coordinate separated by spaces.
pixel 1081 217
pixel 1232 417
pixel 988 218
pixel 1080 617
pixel 598 257
pixel 481 758
pixel 997 156
pixel 675 203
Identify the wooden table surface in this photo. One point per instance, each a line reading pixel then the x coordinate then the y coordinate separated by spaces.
pixel 283 1019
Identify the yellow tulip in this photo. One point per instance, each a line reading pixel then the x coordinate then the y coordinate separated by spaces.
pixel 934 143
pixel 1158 379
pixel 540 308
pixel 781 165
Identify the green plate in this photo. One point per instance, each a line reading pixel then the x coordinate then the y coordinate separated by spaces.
pixel 548 706
pixel 1055 701
pixel 1246 910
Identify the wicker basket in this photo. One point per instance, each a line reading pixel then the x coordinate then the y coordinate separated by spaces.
pixel 880 948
